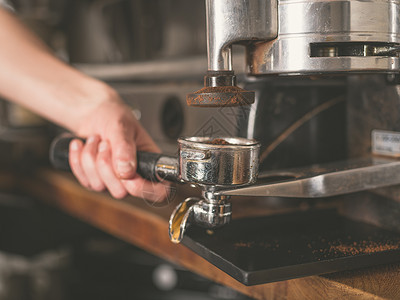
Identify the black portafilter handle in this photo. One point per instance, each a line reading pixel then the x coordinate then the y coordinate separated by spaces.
pixel 59 157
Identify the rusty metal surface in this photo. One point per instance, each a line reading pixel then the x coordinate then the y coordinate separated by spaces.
pixel 220 96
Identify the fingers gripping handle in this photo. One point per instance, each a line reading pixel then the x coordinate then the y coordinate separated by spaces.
pixel 59 157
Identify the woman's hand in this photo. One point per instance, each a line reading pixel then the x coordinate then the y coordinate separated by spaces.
pixel 108 158
pixel 31 76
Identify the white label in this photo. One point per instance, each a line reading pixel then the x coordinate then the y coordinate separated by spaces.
pixel 386 142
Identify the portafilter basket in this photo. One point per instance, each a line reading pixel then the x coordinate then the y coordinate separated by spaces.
pixel 223 161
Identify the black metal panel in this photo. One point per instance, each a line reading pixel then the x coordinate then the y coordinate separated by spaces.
pixel 267 249
pixel 284 103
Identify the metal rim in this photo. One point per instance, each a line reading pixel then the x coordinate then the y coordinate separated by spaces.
pixel 236 143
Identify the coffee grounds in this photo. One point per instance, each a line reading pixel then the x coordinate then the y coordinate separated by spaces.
pixel 218 141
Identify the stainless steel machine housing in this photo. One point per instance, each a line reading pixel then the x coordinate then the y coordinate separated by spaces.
pixel 290 37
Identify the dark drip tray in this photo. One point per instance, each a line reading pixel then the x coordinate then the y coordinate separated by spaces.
pixel 280 247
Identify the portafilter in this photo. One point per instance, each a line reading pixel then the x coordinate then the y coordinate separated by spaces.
pixel 213 164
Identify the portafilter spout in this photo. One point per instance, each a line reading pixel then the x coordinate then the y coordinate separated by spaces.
pixel 203 212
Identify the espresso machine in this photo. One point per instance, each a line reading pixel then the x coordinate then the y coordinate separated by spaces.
pixel 321 96
pixel 316 118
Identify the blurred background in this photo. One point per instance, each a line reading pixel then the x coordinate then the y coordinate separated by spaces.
pixel 113 31
pixel 143 48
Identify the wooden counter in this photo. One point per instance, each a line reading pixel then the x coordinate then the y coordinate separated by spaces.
pixel 146 226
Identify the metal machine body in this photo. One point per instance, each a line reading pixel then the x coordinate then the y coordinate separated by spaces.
pixel 350 49
pixel 319 37
pixel 297 38
pixel 307 38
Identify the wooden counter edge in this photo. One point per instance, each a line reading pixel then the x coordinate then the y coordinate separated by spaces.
pixel 150 232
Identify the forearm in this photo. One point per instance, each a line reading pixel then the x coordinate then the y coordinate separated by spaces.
pixel 31 76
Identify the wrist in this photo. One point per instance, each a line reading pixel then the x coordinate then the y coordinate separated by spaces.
pixel 93 94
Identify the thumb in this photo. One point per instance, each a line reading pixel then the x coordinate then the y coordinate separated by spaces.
pixel 123 155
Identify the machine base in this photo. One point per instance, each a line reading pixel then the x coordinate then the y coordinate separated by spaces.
pixel 280 247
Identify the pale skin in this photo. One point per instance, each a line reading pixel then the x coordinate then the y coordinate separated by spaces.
pixel 32 77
